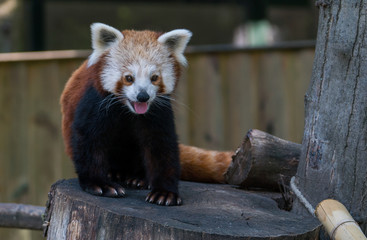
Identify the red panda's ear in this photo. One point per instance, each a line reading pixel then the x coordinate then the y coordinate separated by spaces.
pixel 103 36
pixel 176 41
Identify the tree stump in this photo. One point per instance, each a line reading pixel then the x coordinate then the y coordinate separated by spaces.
pixel 210 211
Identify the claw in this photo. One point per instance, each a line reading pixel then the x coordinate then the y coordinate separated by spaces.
pixel 136 183
pixel 121 191
pixel 163 198
pixel 160 200
pixel 109 190
pixel 179 201
pixel 95 190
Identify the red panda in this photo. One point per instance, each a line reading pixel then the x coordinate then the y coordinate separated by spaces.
pixel 117 118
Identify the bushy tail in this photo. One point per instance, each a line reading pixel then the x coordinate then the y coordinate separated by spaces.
pixel 200 165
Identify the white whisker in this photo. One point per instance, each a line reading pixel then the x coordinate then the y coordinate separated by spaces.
pixel 110 101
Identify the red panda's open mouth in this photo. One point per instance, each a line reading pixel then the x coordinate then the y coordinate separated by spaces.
pixel 139 107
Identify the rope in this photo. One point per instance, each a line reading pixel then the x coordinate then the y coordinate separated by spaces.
pixel 300 196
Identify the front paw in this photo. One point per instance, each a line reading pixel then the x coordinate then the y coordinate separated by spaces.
pixel 106 190
pixel 163 198
pixel 137 183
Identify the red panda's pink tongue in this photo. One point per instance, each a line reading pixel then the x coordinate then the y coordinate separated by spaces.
pixel 140 107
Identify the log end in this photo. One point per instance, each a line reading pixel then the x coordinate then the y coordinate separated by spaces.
pixel 263 161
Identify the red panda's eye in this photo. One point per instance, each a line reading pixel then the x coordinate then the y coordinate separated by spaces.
pixel 154 78
pixel 129 78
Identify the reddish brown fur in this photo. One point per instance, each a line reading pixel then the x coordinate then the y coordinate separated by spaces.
pixel 160 84
pixel 73 92
pixel 140 37
pixel 119 85
pixel 201 165
pixel 178 70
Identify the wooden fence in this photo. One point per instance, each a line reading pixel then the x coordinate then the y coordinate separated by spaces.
pixel 223 93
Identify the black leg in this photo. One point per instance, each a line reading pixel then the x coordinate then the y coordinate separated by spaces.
pixel 159 141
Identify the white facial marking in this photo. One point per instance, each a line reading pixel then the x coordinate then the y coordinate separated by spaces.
pixel 142 73
pixel 119 64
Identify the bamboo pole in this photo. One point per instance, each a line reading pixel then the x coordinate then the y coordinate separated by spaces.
pixel 337 221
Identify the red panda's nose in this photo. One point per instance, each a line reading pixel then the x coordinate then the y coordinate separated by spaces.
pixel 143 96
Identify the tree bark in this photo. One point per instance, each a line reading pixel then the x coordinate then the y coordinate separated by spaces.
pixel 210 211
pixel 263 161
pixel 333 162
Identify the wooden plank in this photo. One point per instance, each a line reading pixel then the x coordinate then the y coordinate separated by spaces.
pixel 181 108
pixel 297 78
pixel 14 186
pixel 205 100
pixel 271 101
pixel 239 97
pixel 191 50
pixel 17 102
pixel 44 127
pixel 44 56
pixel 5 121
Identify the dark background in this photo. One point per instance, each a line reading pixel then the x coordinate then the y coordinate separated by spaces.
pixel 33 25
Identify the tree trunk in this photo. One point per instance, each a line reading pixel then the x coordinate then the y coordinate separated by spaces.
pixel 210 211
pixel 333 162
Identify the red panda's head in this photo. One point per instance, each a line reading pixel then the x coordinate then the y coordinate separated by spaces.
pixel 138 66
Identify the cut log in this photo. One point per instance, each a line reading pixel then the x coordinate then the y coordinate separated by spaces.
pixel 210 211
pixel 263 161
pixel 14 215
